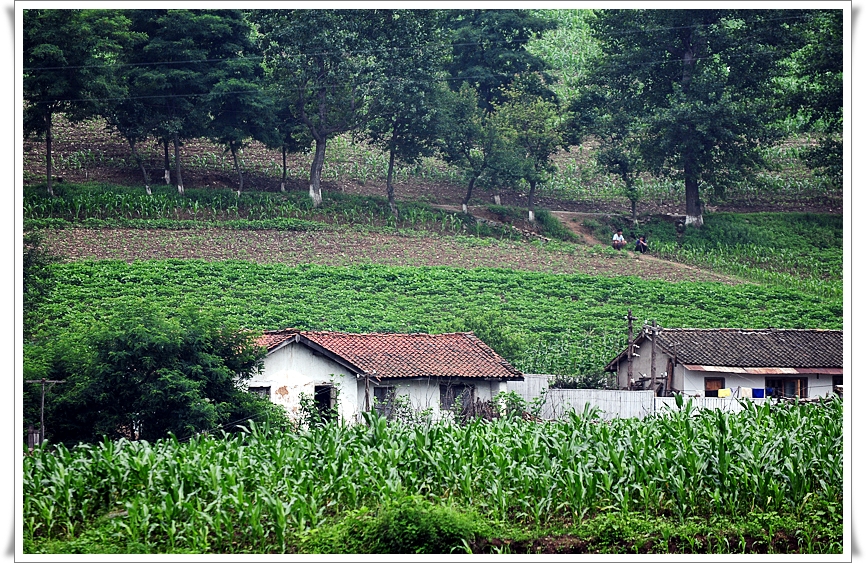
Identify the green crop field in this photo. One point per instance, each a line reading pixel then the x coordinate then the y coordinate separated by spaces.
pixel 767 480
pixel 544 323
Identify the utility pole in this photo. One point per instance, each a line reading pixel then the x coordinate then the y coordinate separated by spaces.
pixel 655 331
pixel 43 381
pixel 630 318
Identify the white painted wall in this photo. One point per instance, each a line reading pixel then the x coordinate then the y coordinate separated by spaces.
pixel 691 383
pixel 295 369
pixel 425 394
pixel 817 385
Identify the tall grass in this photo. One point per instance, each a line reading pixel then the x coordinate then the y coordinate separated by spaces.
pixel 265 489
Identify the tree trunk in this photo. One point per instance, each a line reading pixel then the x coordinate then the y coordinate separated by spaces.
pixel 283 182
pixel 167 165
pixel 532 201
pixel 48 160
pixel 234 150
pixel 140 162
pixel 694 215
pixel 468 194
pixel 389 186
pixel 177 164
pixel 316 172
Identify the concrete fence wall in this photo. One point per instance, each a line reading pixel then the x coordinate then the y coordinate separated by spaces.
pixel 556 403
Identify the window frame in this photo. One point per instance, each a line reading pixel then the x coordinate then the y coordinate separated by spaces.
pixel 773 382
pixel 448 396
pixel 713 392
pixel 385 407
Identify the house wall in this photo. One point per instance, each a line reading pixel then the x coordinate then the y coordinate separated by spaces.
pixel 424 393
pixel 691 383
pixel 642 365
pixel 817 385
pixel 294 369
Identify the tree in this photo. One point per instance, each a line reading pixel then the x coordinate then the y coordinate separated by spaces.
pixel 146 373
pixel 283 129
pixel 698 85
pixel 599 114
pixel 531 125
pixel 489 50
pixel 187 53
pixel 468 138
pixel 238 108
pixel 812 87
pixel 401 116
pixel 325 59
pixel 36 277
pixel 67 58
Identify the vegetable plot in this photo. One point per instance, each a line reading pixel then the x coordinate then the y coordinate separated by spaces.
pixel 544 323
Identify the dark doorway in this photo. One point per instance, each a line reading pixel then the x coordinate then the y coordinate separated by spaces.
pixel 326 401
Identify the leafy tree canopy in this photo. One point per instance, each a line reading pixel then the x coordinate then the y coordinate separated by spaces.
pixel 144 372
pixel 697 84
pixel 489 49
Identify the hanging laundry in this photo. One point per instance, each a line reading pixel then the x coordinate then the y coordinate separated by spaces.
pixel 746 392
pixel 724 392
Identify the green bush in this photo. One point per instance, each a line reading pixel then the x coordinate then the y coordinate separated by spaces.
pixel 409 524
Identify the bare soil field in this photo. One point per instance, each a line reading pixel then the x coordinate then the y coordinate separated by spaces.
pixel 347 248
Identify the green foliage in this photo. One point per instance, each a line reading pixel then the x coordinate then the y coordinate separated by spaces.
pixel 567 324
pixel 552 227
pixel 138 370
pixel 36 276
pixel 774 478
pixel 410 524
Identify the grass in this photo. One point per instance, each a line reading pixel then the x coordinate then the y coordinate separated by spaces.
pixel 801 250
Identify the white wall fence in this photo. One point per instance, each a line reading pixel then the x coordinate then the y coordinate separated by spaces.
pixel 556 403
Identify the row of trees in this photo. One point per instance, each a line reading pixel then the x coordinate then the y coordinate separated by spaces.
pixel 694 94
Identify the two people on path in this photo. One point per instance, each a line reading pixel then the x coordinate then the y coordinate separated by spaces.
pixel 619 242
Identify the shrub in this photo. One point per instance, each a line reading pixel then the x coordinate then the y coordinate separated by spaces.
pixel 409 524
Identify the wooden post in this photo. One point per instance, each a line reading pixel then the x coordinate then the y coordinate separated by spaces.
pixel 43 381
pixel 367 392
pixel 653 357
pixel 630 318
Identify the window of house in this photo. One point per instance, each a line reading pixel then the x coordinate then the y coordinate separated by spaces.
pixel 383 400
pixel 263 391
pixel 712 386
pixel 453 394
pixel 787 387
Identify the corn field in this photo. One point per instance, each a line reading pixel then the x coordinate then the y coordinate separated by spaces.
pixel 261 489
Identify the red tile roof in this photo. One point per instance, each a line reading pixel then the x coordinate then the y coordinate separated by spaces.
pixel 456 354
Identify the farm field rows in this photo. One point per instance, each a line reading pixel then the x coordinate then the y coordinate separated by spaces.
pixel 543 322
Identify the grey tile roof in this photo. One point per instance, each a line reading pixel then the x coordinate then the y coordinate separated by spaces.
pixel 794 348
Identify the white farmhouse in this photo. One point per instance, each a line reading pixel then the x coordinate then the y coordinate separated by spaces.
pixel 805 363
pixel 353 372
